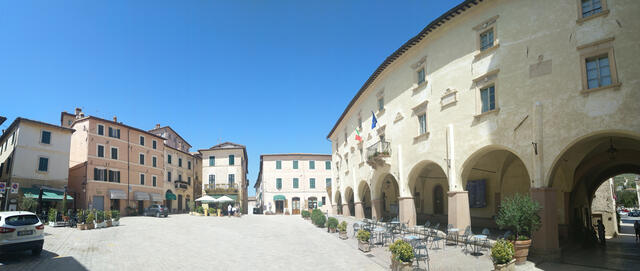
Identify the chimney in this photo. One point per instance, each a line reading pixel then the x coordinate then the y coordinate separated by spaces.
pixel 82 114
pixel 78 110
pixel 157 125
pixel 115 119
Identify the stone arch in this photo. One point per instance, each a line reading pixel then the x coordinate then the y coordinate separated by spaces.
pixel 489 175
pixel 424 178
pixel 386 193
pixel 338 201
pixel 350 201
pixel 364 192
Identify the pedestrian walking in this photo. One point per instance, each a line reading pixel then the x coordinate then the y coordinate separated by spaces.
pixel 229 210
pixel 601 232
pixel 636 227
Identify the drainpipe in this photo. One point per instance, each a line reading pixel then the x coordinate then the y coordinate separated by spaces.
pixel 128 168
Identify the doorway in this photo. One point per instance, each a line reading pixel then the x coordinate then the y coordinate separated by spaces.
pixel 98 202
pixel 179 203
pixel 115 204
pixel 295 206
pixel 279 206
pixel 140 207
pixel 438 202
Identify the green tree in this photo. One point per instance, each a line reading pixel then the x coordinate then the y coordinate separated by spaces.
pixel 627 198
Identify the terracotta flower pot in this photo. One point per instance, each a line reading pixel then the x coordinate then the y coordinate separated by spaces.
pixel 510 266
pixel 343 235
pixel 332 230
pixel 82 227
pixel 109 223
pixel 89 226
pixel 364 246
pixel 521 250
pixel 400 266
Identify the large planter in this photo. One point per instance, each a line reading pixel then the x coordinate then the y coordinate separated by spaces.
pixel 332 230
pixel 90 226
pixel 115 223
pixel 101 225
pixel 82 226
pixel 343 235
pixel 400 266
pixel 521 249
pixel 364 246
pixel 510 266
pixel 109 223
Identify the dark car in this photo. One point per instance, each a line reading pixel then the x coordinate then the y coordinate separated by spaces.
pixel 156 210
pixel 635 213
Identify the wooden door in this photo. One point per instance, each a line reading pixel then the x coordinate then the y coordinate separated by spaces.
pixel 295 206
pixel 438 203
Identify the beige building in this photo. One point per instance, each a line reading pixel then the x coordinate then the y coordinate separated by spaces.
pixel 224 173
pixel 114 165
pixel 495 98
pixel 289 183
pixel 603 207
pixel 34 155
pixel 179 170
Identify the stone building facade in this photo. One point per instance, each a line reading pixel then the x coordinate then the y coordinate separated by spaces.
pixel 603 206
pixel 224 173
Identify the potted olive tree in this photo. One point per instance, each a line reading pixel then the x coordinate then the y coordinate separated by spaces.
pixel 401 255
pixel 502 256
pixel 115 214
pixel 332 224
pixel 318 218
pixel 107 217
pixel 342 228
pixel 519 213
pixel 53 215
pixel 363 240
pixel 90 220
pixel 82 217
pixel 100 219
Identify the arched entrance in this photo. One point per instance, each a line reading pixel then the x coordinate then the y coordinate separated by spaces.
pixel 490 175
pixel 365 198
pixel 428 184
pixel 387 192
pixel 338 202
pixel 312 202
pixel 580 170
pixel 348 194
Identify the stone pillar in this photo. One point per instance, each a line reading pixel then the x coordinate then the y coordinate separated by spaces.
pixel 545 240
pixel 458 209
pixel 407 210
pixel 345 210
pixel 376 209
pixel 359 210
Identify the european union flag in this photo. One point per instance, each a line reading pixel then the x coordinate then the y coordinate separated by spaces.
pixel 374 121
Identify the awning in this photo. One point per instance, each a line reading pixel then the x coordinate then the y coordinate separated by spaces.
pixel 206 198
pixel 279 197
pixel 46 194
pixel 233 197
pixel 156 197
pixel 141 196
pixel 117 194
pixel 170 196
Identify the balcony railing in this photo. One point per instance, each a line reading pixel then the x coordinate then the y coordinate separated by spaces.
pixel 378 151
pixel 181 184
pixel 221 188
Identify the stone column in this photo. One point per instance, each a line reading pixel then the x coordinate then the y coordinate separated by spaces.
pixel 407 210
pixel 458 209
pixel 345 210
pixel 545 240
pixel 376 208
pixel 359 210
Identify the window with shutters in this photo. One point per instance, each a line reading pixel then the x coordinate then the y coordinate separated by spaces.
pixel 232 179
pixel 278 164
pixel 43 164
pixel 142 159
pixel 154 144
pixel 154 161
pixel 100 129
pixel 46 137
pixel 154 181
pixel 142 140
pixel 327 165
pixel 212 161
pixel 232 160
pixel 295 182
pixel 312 183
pixel 114 153
pixel 168 176
pixel 278 183
pixel 295 164
pixel 312 164
pixel 212 179
pixel 100 151
pixel 141 178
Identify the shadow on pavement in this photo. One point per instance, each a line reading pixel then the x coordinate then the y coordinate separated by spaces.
pixel 46 261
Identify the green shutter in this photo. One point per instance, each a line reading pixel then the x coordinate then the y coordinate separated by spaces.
pixel 231 160
pixel 295 182
pixel 212 161
pixel 312 183
pixel 279 183
pixel 312 164
pixel 278 164
pixel 295 164
pixel 327 164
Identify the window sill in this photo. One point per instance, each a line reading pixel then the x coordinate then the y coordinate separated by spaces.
pixel 600 14
pixel 417 87
pixel 615 86
pixel 495 111
pixel 487 51
pixel 421 137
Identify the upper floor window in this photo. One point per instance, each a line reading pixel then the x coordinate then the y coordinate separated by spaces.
pixel 141 178
pixel 295 182
pixel 422 120
pixel 212 179
pixel 154 161
pixel 169 158
pixel 188 164
pixel 43 164
pixel 486 39
pixel 598 65
pixel 114 132
pixel 179 162
pixel 154 181
pixel 421 76
pixel 278 164
pixel 114 176
pixel 278 183
pixel 142 140
pixel 169 176
pixel 598 71
pixel 380 103
pixel 142 159
pixel 46 137
pixel 488 99
pixel 295 164
pixel 328 182
pixel 100 151
pixel 312 164
pixel 232 160
pixel 232 179
pixel 212 161
pixel 154 144
pixel 114 153
pixel 100 129
pixel 312 183
pixel 327 164
pixel 590 7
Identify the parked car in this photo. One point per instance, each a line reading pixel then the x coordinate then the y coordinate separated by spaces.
pixel 156 210
pixel 21 231
pixel 635 213
pixel 257 211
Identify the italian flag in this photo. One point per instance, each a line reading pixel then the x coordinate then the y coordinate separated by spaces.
pixel 358 137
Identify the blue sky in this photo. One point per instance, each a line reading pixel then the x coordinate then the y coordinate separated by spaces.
pixel 272 75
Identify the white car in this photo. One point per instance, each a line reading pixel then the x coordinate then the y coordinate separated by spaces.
pixel 21 231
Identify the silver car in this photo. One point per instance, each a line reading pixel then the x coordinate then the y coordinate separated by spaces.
pixel 21 231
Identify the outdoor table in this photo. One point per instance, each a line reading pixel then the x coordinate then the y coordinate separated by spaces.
pixel 478 238
pixel 455 231
pixel 379 231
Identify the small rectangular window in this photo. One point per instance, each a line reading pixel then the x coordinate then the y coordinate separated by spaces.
pixel 488 99
pixel 142 159
pixel 154 161
pixel 232 160
pixel 169 158
pixel 486 39
pixel 327 164
pixel 188 164
pixel 312 164
pixel 100 151
pixel 168 176
pixel 598 71
pixel 46 137
pixel 188 180
pixel 212 161
pixel 295 182
pixel 591 7
pixel 154 144
pixel 232 179
pixel 43 164
pixel 295 164
pixel 421 76
pixel 100 129
pixel 312 183
pixel 141 179
pixel 153 179
pixel 142 140
pixel 114 153
pixel 324 201
pixel 422 119
pixel 278 183
pixel 179 162
pixel 380 104
pixel 328 182
pixel 212 179
pixel 278 164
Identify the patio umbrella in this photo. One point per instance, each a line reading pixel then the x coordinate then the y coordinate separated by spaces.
pixel 225 199
pixel 207 198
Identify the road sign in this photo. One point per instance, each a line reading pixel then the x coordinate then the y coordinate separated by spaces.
pixel 14 188
pixel 3 186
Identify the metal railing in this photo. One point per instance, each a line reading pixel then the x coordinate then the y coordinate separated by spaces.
pixel 378 150
pixel 222 187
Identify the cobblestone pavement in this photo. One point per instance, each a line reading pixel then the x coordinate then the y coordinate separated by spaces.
pixel 184 242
